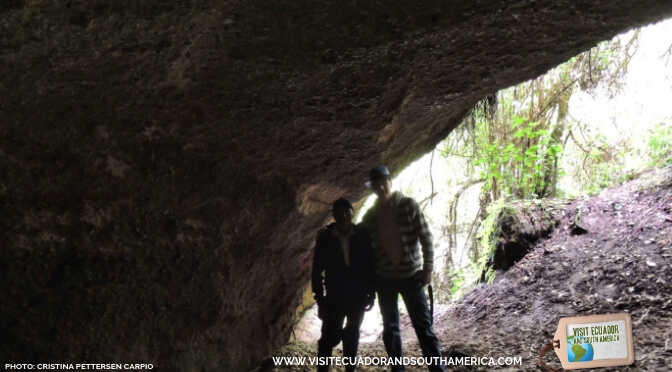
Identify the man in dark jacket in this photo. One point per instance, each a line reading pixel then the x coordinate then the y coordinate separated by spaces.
pixel 343 267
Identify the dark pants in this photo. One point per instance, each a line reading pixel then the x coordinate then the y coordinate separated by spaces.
pixel 333 332
pixel 416 303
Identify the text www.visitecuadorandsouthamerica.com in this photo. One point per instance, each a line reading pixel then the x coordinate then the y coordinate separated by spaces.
pixel 407 361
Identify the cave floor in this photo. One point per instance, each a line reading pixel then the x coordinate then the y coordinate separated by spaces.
pixel 622 264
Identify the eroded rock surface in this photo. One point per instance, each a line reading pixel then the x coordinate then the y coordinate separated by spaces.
pixel 160 161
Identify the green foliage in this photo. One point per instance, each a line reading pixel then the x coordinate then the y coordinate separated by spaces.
pixel 459 279
pixel 489 275
pixel 517 138
pixel 462 278
pixel 488 235
pixel 490 229
pixel 660 145
pixel 518 166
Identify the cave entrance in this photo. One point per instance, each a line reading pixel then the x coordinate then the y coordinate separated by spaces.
pixel 595 121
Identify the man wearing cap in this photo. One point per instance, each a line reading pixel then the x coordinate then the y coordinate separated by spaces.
pixel 343 268
pixel 404 260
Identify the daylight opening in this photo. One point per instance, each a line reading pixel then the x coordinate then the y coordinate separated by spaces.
pixel 595 121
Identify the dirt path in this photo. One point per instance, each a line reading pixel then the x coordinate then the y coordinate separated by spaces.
pixel 622 264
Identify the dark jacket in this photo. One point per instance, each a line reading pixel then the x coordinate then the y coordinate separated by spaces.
pixel 343 284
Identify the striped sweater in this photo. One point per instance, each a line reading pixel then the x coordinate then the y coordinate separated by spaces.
pixel 414 233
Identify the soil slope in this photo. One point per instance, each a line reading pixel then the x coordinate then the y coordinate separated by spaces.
pixel 622 264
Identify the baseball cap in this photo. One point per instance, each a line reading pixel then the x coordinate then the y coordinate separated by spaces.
pixel 378 173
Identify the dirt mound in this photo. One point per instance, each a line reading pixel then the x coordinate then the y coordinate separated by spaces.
pixel 621 264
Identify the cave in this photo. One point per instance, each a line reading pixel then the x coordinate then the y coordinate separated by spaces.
pixel 164 165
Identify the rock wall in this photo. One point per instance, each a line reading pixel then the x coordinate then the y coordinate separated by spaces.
pixel 165 164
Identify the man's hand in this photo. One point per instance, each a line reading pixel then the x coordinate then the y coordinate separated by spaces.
pixel 423 276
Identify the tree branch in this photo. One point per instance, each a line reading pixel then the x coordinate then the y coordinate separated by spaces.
pixel 667 53
pixel 431 178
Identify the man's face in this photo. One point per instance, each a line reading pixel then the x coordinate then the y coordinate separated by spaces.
pixel 344 214
pixel 381 188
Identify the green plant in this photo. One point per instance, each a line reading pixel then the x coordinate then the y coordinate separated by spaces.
pixel 460 280
pixel 519 165
pixel 660 145
pixel 488 236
